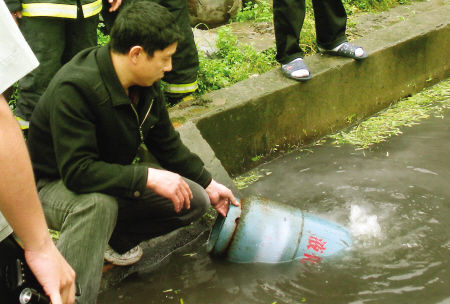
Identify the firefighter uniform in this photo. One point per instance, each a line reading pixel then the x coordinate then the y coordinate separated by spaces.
pixel 182 80
pixel 55 30
pixel 330 20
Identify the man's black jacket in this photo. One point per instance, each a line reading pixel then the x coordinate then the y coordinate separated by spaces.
pixel 86 132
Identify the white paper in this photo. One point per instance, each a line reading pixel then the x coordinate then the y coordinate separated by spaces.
pixel 16 57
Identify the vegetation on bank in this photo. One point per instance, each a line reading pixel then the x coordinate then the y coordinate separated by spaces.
pixel 389 122
pixel 233 62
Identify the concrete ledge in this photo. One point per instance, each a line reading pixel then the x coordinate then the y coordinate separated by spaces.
pixel 256 115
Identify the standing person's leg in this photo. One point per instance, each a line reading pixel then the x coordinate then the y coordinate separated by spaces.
pixel 331 20
pixel 46 38
pixel 182 80
pixel 85 222
pixel 81 33
pixel 288 17
pixel 109 17
pixel 152 216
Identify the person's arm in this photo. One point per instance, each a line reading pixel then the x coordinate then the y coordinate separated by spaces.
pixel 179 161
pixel 20 205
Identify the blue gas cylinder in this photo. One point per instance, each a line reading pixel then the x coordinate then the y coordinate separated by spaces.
pixel 264 231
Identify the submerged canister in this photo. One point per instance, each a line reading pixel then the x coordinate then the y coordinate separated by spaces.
pixel 265 231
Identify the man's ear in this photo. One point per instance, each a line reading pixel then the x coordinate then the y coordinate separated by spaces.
pixel 135 52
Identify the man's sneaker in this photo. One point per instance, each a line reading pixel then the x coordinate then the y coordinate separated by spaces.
pixel 128 258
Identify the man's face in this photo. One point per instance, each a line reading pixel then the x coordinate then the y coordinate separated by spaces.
pixel 151 69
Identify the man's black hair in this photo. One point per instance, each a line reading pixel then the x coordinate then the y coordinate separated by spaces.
pixel 146 24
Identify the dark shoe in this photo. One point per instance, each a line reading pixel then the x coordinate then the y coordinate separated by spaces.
pixel 294 69
pixel 347 50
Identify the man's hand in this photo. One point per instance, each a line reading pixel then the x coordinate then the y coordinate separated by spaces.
pixel 220 196
pixel 114 5
pixel 52 272
pixel 171 186
pixel 16 16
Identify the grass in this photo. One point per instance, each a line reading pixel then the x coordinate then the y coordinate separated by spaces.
pixel 13 98
pixel 249 178
pixel 353 6
pixel 258 11
pixel 389 122
pixel 233 62
pixel 102 38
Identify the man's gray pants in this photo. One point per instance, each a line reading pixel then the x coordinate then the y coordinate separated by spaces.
pixel 87 222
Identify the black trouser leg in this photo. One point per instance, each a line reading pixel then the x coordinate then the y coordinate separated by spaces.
pixel 54 41
pixel 331 20
pixel 46 38
pixel 183 77
pixel 109 17
pixel 80 34
pixel 288 17
pixel 152 215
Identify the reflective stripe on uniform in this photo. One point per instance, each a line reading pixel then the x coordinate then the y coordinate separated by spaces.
pixel 49 10
pixel 60 10
pixel 92 9
pixel 24 125
pixel 181 88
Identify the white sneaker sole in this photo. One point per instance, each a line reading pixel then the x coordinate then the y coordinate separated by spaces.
pixel 125 262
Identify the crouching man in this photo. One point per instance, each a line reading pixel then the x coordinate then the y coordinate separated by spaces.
pixel 84 134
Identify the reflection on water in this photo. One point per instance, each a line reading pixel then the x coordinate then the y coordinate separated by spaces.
pixel 396 201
